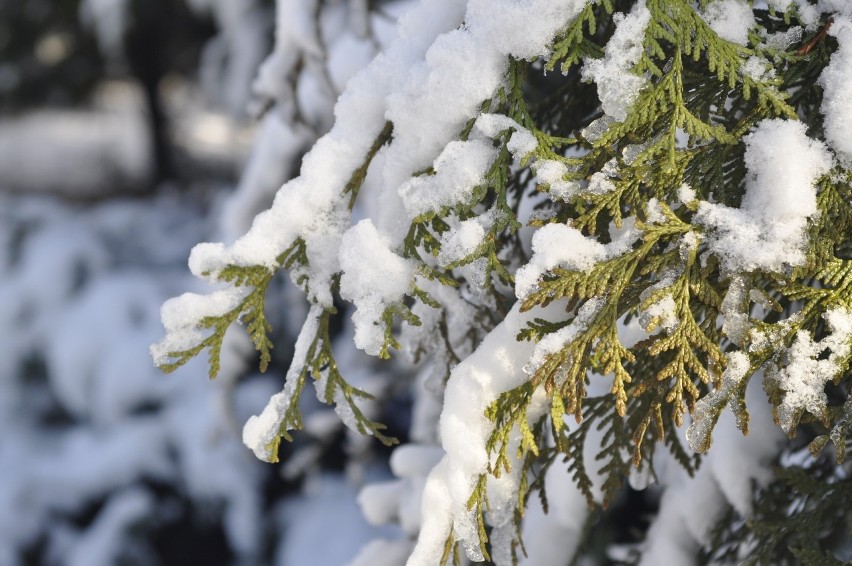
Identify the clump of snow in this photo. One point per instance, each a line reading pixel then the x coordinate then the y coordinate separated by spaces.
pixel 808 13
pixel 260 431
pixel 555 341
pixel 180 315
pixel 496 366
pixel 271 161
pixel 730 19
pixel 758 69
pixel 618 87
pixel 836 81
pixel 768 231
pixel 601 181
pixel 664 312
pixel 685 194
pixel 309 206
pixel 461 166
pixel 557 245
pixel 560 245
pixel 551 173
pixel 655 212
pixel 804 377
pixel 460 242
pixel 460 69
pixel 521 143
pixel 373 279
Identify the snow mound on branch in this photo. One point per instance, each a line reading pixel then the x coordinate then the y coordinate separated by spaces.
pixel 836 81
pixel 617 86
pixel 768 231
pixel 374 278
pixel 730 19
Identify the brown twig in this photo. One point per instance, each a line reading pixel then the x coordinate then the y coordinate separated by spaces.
pixel 806 48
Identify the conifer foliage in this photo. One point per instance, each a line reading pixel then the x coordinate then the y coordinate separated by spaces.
pixel 608 227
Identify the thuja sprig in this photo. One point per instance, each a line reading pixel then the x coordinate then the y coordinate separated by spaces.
pixel 319 363
pixel 686 340
pixel 574 45
pixel 249 311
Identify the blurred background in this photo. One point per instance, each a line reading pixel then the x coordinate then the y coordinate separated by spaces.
pixel 131 130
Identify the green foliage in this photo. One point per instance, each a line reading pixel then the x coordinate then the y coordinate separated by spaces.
pixel 249 311
pixel 680 143
pixel 802 517
pixel 657 381
pixel 319 363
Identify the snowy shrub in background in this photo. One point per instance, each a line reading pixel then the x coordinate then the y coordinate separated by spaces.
pixel 103 460
pixel 605 234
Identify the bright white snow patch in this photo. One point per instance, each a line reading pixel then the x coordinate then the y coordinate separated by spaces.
pixel 557 245
pixel 495 367
pixel 803 379
pixel 555 341
pixel 461 166
pixel 560 245
pixel 768 231
pixel 180 316
pixel 261 430
pixel 521 142
pixel 373 279
pixel 730 19
pixel 663 313
pixel 617 86
pixel 551 172
pixel 836 81
pixel 458 243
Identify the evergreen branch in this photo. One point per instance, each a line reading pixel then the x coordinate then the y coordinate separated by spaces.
pixel 320 364
pixel 249 310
